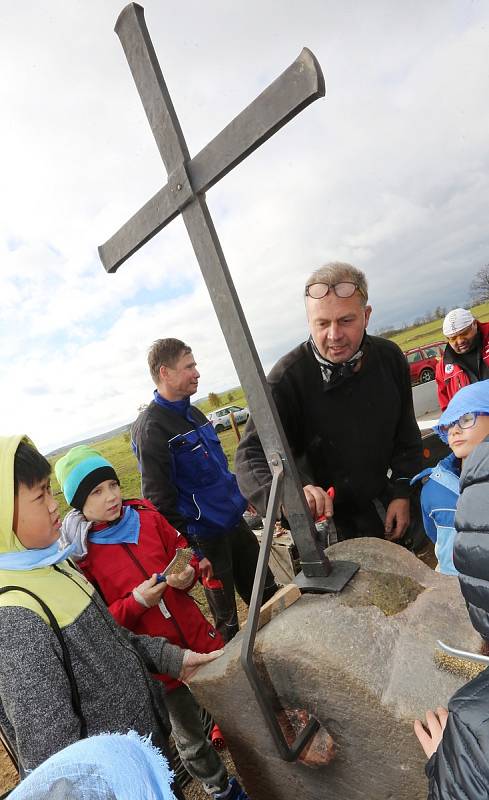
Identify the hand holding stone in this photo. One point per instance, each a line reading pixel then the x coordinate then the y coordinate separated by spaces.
pixel 183 580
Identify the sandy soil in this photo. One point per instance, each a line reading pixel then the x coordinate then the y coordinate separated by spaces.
pixel 8 775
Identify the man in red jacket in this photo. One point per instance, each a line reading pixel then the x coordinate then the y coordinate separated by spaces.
pixel 466 356
pixel 123 548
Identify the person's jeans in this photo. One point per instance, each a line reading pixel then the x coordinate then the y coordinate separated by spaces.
pixel 196 751
pixel 234 556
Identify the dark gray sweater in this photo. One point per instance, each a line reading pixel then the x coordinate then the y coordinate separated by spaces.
pixel 111 667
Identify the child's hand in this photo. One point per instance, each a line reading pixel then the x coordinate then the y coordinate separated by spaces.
pixel 192 661
pixel 149 593
pixel 435 722
pixel 183 580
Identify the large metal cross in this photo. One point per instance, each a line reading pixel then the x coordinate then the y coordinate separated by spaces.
pixel 184 193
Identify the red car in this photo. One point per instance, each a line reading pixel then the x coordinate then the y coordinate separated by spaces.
pixel 422 361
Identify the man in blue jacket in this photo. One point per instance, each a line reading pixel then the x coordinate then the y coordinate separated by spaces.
pixel 185 474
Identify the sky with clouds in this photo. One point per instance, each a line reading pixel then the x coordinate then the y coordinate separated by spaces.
pixel 389 172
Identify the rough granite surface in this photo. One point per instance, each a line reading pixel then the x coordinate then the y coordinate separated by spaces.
pixel 363 663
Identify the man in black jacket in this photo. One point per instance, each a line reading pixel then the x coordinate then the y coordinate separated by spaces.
pixel 346 405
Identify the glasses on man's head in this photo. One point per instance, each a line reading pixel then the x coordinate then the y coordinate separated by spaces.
pixel 467 420
pixel 341 289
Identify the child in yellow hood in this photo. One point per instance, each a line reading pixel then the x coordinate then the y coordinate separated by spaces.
pixel 67 670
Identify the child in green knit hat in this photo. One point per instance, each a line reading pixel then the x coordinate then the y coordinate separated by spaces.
pixel 124 548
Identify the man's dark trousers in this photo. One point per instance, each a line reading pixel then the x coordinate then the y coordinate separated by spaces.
pixel 233 555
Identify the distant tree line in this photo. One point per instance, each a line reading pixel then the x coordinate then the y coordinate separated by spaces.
pixel 215 401
pixel 479 293
pixel 429 316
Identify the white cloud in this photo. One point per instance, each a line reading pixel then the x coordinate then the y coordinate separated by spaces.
pixel 389 172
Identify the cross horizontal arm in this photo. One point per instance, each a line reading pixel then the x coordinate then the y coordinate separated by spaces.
pixel 296 88
pixel 292 91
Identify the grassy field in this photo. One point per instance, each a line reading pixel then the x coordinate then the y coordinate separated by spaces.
pixel 431 331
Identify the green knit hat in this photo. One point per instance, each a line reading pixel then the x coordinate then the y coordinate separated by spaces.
pixel 80 471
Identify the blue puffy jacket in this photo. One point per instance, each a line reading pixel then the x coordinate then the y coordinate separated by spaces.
pixel 439 497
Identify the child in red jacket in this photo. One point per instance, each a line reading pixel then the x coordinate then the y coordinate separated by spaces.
pixel 122 548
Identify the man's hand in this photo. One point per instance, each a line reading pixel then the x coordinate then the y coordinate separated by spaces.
pixel 183 580
pixel 149 593
pixel 436 723
pixel 396 519
pixel 205 567
pixel 192 661
pixel 319 502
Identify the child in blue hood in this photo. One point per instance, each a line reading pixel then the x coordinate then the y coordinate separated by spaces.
pixel 463 425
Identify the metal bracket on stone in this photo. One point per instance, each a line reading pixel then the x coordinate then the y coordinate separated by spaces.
pixel 479 658
pixel 261 693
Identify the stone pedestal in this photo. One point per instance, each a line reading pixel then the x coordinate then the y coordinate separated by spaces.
pixel 362 663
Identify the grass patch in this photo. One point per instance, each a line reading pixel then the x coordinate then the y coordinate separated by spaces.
pixel 419 335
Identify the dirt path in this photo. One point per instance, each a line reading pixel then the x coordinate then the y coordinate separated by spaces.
pixel 194 790
pixel 8 775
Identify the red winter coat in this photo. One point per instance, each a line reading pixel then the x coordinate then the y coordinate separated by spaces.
pixel 115 573
pixel 450 376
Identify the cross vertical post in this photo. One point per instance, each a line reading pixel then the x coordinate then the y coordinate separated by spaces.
pixel 188 179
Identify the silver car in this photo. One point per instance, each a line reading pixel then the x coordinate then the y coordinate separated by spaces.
pixel 221 417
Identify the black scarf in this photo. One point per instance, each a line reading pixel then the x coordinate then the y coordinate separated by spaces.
pixel 335 374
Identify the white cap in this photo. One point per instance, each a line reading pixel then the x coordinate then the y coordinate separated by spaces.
pixel 457 320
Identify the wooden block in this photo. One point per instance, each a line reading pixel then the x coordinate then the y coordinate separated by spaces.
pixel 285 597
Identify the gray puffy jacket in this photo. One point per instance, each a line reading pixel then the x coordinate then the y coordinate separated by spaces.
pixel 459 770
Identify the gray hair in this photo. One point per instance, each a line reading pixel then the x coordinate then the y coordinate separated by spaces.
pixel 337 271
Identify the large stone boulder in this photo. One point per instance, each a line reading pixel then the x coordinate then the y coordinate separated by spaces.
pixel 363 663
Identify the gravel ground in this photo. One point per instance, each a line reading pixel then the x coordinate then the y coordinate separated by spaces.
pixel 8 775
pixel 194 790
